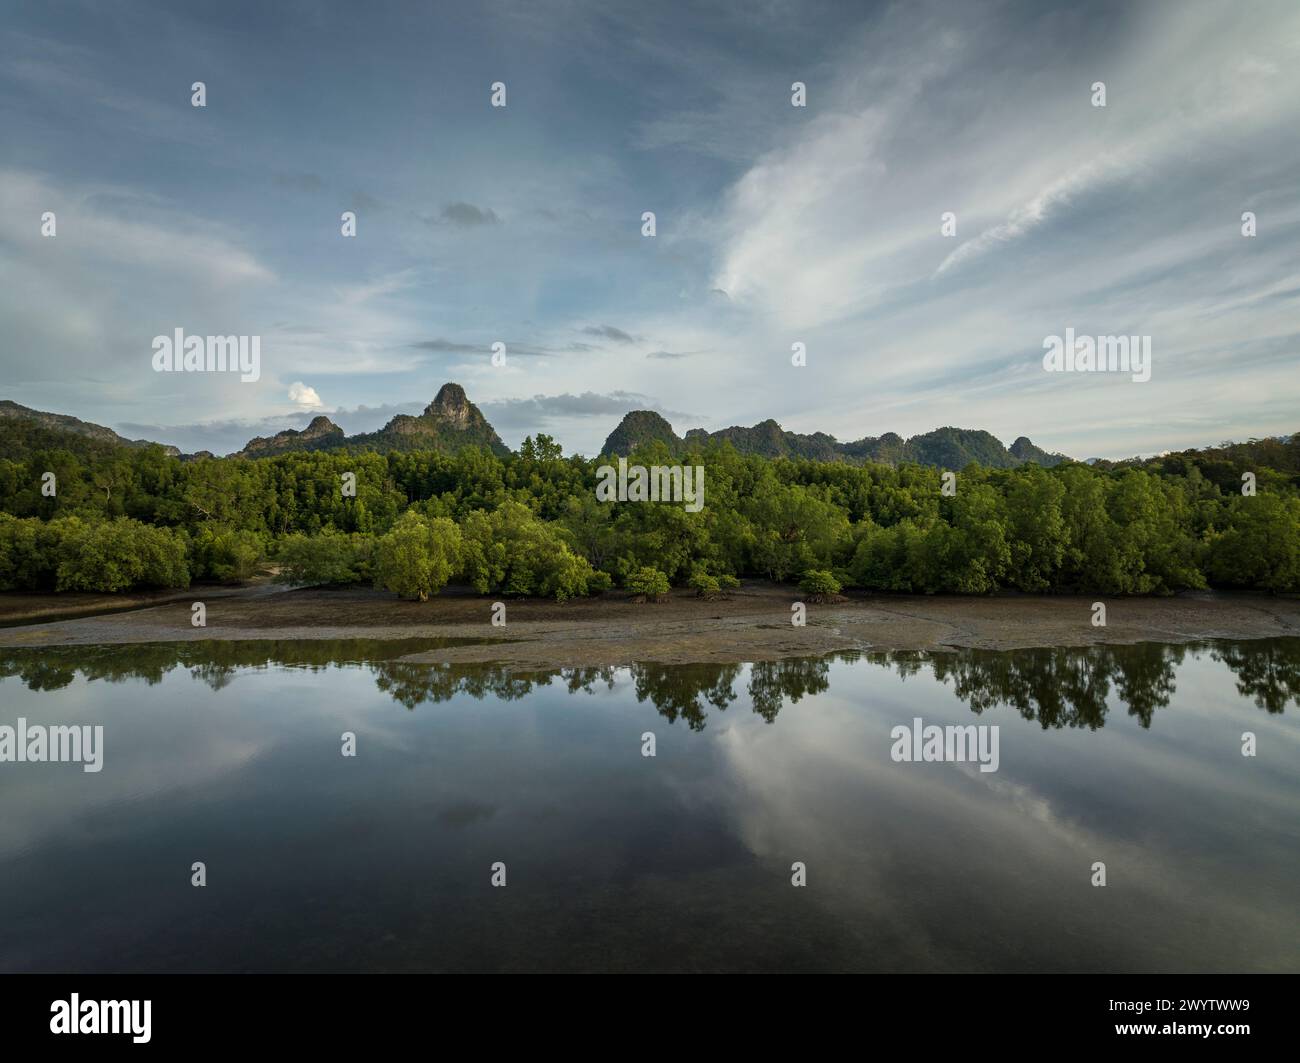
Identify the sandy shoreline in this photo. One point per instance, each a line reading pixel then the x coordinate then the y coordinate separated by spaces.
pixel 753 625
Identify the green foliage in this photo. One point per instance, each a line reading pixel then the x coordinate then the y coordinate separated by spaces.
pixel 530 524
pixel 818 581
pixel 648 582
pixel 118 555
pixel 704 585
pixel 418 556
pixel 332 557
pixel 30 551
pixel 1260 547
pixel 510 551
pixel 227 555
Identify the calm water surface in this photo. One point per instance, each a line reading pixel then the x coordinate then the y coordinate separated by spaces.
pixel 229 753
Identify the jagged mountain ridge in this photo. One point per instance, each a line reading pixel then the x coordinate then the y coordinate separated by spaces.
pixel 948 447
pixel 448 423
pixel 451 422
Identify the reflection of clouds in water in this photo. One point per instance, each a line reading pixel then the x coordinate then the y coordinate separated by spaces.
pixel 135 771
pixel 762 765
pixel 174 735
pixel 822 788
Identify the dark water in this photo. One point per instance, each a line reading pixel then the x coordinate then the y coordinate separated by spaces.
pixel 229 754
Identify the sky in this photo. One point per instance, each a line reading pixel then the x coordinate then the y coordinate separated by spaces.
pixel 774 224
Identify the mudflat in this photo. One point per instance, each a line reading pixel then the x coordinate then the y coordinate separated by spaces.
pixel 751 624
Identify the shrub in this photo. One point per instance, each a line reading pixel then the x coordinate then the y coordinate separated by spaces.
pixel 332 557
pixel 648 583
pixel 819 583
pixel 225 554
pixel 120 554
pixel 705 586
pixel 29 553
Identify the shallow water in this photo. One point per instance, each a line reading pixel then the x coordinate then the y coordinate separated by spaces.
pixel 229 754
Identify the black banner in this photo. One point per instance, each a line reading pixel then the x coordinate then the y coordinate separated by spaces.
pixel 1226 1013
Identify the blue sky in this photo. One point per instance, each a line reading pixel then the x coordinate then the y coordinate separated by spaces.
pixel 775 224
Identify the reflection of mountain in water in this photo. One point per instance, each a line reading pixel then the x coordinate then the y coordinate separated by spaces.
pixel 1058 687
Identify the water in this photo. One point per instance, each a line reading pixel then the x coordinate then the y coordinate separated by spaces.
pixel 229 754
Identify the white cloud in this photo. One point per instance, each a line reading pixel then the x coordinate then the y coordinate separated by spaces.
pixel 302 395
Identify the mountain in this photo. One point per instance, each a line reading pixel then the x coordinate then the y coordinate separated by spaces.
pixel 1023 450
pixel 321 434
pixel 640 427
pixel 24 431
pixel 948 448
pixel 449 423
pixel 1223 465
pixel 772 441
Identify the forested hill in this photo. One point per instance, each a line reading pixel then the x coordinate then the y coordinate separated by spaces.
pixel 1222 464
pixel 25 431
pixel 945 448
pixel 449 423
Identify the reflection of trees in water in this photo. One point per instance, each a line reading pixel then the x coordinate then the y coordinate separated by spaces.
pixel 771 682
pixel 1063 687
pixel 1267 671
pixel 211 661
pixel 1059 687
pixel 1069 687
pixel 413 684
pixel 676 689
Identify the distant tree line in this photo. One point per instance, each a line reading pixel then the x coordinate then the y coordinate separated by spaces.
pixel 530 524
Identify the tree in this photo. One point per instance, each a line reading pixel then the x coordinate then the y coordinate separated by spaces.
pixel 1035 529
pixel 332 557
pixel 418 556
pixel 1260 547
pixel 228 555
pixel 510 551
pixel 118 555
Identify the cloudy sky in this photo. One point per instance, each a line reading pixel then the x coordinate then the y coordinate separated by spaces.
pixel 776 224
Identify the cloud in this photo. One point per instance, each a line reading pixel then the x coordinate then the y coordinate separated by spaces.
pixel 363 201
pixel 777 224
pixel 223 435
pixel 301 395
pixel 587 404
pixel 445 346
pixel 450 347
pixel 218 436
pixel 467 216
pixel 608 332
